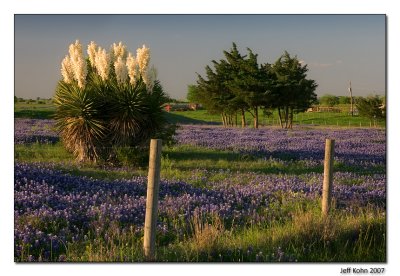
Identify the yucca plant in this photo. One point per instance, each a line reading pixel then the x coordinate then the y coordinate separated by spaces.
pixel 79 120
pixel 128 113
pixel 108 102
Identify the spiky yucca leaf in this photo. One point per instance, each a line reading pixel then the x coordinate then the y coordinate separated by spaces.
pixel 135 113
pixel 79 120
pixel 156 117
pixel 128 110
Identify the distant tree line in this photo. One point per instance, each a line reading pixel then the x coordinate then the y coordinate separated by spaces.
pixel 239 84
pixel 372 107
pixel 38 100
pixel 332 100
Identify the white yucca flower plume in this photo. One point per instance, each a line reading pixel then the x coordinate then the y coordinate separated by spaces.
pixel 131 64
pixel 118 50
pixel 121 71
pixel 75 48
pixel 143 59
pixel 92 50
pixel 102 63
pixel 66 70
pixel 149 77
pixel 77 63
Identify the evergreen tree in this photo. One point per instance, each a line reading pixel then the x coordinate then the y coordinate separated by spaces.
pixel 292 92
pixel 192 93
pixel 237 84
pixel 250 85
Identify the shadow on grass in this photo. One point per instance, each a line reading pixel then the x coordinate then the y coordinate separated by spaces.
pixel 181 119
pixel 263 170
pixel 189 160
pixel 188 154
pixel 192 158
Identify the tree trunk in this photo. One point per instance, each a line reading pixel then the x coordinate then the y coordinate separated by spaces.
pixel 280 117
pixel 291 118
pixel 243 118
pixel 236 119
pixel 256 117
pixel 223 119
pixel 286 117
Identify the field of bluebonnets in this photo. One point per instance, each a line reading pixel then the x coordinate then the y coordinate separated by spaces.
pixel 226 194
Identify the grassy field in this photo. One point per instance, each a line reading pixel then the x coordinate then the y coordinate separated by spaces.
pixel 296 233
pixel 34 110
pixel 46 111
pixel 304 118
pixel 284 223
pixel 289 228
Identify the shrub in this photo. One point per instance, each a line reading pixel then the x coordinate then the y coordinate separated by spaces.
pixel 372 107
pixel 108 100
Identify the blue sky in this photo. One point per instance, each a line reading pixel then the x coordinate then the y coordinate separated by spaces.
pixel 337 48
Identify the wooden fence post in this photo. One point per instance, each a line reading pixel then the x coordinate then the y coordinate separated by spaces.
pixel 328 176
pixel 150 223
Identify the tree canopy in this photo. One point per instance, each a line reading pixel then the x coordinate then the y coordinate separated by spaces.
pixel 292 92
pixel 239 83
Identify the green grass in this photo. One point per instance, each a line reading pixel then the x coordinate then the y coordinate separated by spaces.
pixel 195 165
pixel 193 117
pixel 34 110
pixel 42 153
pixel 64 161
pixel 295 232
pixel 343 119
pixel 303 236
